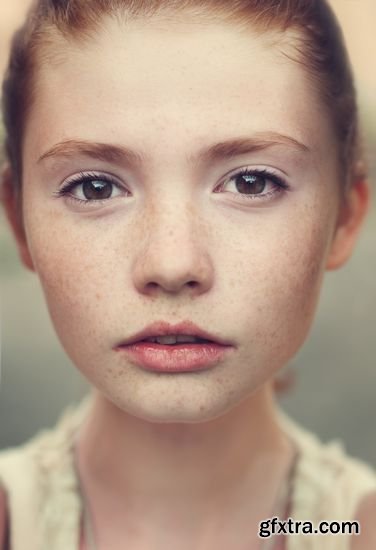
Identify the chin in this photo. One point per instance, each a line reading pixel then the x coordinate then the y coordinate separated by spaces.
pixel 185 415
pixel 167 407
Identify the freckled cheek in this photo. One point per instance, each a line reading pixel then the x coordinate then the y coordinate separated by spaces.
pixel 279 298
pixel 76 274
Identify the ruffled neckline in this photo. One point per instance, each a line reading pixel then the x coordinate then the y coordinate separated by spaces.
pixel 318 467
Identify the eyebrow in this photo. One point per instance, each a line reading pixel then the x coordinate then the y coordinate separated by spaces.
pixel 226 149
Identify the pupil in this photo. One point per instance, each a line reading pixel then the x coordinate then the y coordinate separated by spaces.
pixel 97 189
pixel 250 184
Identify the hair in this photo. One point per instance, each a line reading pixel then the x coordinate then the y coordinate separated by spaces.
pixel 318 46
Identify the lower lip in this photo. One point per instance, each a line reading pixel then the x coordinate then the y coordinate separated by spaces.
pixel 175 358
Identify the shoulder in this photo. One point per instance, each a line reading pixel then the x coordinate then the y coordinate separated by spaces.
pixel 3 516
pixel 365 515
pixel 328 481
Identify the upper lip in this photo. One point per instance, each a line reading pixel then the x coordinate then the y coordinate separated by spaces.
pixel 163 328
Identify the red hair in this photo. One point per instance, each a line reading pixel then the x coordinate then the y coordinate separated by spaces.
pixel 317 45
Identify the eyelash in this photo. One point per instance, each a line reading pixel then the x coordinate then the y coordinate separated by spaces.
pixel 82 178
pixel 280 185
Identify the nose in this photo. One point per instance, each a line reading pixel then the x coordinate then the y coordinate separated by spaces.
pixel 172 255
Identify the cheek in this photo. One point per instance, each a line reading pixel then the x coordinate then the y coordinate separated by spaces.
pixel 76 270
pixel 281 291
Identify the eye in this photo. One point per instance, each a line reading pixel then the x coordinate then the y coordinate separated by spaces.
pixel 91 188
pixel 97 189
pixel 255 184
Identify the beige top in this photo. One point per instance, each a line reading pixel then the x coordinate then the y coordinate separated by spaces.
pixel 45 506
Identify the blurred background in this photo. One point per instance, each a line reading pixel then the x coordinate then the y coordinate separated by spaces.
pixel 335 387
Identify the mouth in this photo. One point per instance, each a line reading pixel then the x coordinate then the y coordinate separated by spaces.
pixel 164 333
pixel 176 339
pixel 175 348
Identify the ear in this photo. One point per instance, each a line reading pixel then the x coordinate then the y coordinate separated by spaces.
pixel 14 215
pixel 351 216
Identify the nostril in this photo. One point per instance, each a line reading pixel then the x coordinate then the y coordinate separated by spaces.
pixel 151 288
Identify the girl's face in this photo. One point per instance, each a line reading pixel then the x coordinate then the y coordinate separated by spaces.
pixel 179 234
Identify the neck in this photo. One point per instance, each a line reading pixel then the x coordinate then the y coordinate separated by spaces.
pixel 184 467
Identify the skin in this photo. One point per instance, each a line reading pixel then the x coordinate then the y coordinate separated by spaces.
pixel 187 451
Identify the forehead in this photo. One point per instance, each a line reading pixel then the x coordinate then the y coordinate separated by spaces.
pixel 174 83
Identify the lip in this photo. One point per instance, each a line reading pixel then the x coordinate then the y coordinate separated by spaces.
pixel 183 357
pixel 163 328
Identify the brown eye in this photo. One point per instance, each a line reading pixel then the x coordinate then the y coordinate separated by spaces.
pixel 97 189
pixel 254 184
pixel 92 188
pixel 250 184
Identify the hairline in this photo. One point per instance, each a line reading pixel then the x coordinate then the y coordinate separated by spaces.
pixel 293 35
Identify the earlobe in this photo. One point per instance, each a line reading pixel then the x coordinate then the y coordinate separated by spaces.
pixel 349 223
pixel 12 211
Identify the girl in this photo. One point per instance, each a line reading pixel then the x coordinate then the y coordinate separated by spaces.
pixel 180 175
